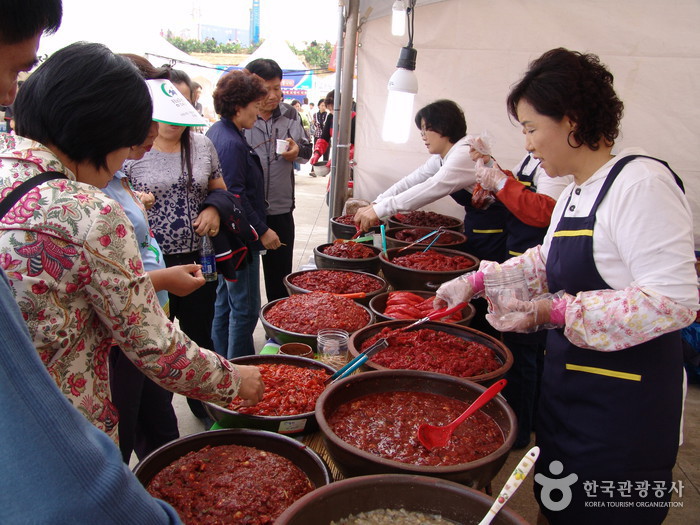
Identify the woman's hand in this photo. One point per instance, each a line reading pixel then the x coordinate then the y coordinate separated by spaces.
pixel 544 312
pixel 252 387
pixel 207 222
pixel 459 290
pixel 146 198
pixel 490 178
pixel 292 151
pixel 365 218
pixel 270 240
pixel 180 280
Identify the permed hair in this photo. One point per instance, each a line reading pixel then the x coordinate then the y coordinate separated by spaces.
pixel 235 90
pixel 563 83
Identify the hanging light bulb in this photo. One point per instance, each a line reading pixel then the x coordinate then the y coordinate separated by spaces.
pixel 403 87
pixel 398 18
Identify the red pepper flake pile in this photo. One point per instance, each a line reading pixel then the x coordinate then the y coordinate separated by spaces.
pixel 413 234
pixel 308 313
pixel 386 424
pixel 434 351
pixel 336 281
pixel 407 305
pixel 289 390
pixel 230 484
pixel 433 261
pixel 349 250
pixel 426 218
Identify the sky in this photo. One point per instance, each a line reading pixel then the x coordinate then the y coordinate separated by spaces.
pixel 295 21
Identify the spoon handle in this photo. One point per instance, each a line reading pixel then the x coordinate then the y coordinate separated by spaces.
pixel 480 401
pixel 514 481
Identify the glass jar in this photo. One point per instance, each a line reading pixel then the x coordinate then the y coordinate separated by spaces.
pixel 503 285
pixel 332 346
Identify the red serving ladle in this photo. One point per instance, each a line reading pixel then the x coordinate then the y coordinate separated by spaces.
pixel 433 436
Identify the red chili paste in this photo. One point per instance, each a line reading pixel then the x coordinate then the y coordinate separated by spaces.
pixel 230 484
pixel 289 390
pixel 433 261
pixel 413 234
pixel 349 250
pixel 433 351
pixel 386 424
pixel 309 313
pixel 335 281
pixel 426 218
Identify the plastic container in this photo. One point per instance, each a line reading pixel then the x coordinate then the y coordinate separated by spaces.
pixel 332 345
pixel 502 286
pixel 298 349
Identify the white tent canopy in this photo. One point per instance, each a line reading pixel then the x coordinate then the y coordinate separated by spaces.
pixel 473 51
pixel 279 51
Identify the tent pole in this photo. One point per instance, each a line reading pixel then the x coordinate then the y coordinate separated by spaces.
pixel 340 170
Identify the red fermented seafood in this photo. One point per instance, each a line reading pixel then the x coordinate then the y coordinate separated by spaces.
pixel 426 218
pixel 289 390
pixel 385 424
pixel 349 250
pixel 433 261
pixel 230 484
pixel 335 281
pixel 433 351
pixel 309 313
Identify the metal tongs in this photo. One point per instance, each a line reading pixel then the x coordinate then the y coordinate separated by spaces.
pixel 382 343
pixel 437 234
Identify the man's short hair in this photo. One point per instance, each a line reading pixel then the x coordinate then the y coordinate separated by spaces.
pixel 23 19
pixel 265 68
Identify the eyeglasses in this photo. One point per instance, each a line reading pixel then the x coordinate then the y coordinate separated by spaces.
pixel 424 130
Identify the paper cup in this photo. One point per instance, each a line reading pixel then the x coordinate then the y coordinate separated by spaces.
pixel 282 146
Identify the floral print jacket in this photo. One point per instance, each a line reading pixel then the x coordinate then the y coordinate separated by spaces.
pixel 76 273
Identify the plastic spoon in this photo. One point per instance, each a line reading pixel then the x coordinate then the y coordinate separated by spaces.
pixel 434 436
pixel 514 481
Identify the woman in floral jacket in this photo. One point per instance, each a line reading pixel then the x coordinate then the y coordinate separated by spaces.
pixel 70 252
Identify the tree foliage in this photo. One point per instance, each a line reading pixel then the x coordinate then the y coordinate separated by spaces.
pixel 317 55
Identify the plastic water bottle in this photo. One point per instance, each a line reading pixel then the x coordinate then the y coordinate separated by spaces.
pixel 208 259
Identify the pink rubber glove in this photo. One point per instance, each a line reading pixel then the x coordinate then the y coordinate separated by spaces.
pixel 541 313
pixel 459 290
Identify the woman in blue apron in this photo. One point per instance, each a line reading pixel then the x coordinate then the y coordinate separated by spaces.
pixel 614 281
pixel 449 171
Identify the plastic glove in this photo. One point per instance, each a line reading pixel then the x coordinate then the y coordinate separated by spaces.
pixel 480 143
pixel 459 290
pixel 525 317
pixel 317 155
pixel 491 179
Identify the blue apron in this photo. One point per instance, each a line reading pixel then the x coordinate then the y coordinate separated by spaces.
pixel 606 416
pixel 522 236
pixel 485 229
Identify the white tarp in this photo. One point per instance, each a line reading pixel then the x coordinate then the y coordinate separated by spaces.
pixel 472 51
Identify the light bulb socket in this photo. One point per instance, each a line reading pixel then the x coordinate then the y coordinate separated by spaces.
pixel 407 58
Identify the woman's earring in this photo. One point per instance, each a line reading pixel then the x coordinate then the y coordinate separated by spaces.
pixel 568 140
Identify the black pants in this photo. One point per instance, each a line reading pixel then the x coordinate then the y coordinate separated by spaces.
pixel 147 419
pixel 522 390
pixel 195 313
pixel 278 263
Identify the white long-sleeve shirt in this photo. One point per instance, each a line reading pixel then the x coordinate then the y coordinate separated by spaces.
pixel 642 247
pixel 433 180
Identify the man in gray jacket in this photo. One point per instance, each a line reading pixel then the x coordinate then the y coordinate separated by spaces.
pixel 277 121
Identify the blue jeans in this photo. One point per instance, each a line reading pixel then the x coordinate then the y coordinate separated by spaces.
pixel 236 311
